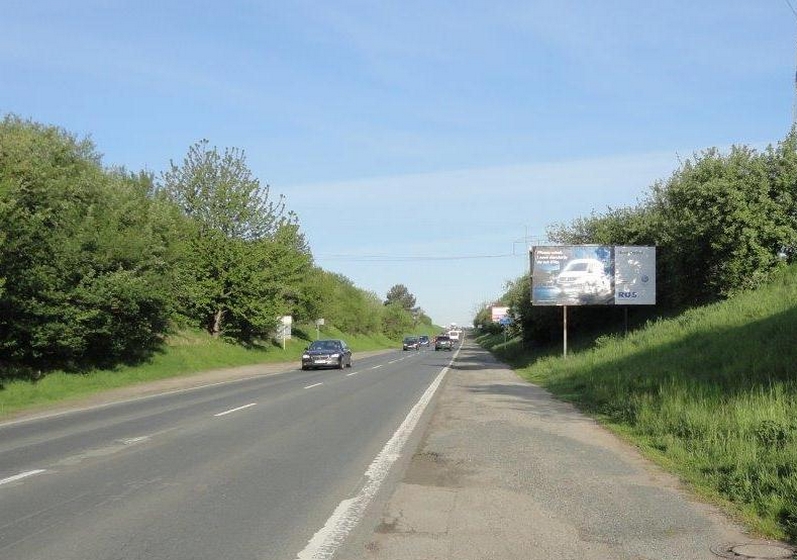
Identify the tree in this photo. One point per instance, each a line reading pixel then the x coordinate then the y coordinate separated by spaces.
pixel 400 295
pixel 245 250
pixel 396 320
pixel 85 258
pixel 220 194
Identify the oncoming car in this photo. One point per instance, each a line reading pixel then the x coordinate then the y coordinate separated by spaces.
pixel 326 354
pixel 410 343
pixel 443 342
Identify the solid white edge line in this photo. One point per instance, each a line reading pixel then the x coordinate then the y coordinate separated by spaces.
pixel 313 385
pixel 235 409
pixel 20 476
pixel 325 543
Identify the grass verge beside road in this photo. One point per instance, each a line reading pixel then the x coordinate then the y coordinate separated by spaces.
pixel 185 353
pixel 710 395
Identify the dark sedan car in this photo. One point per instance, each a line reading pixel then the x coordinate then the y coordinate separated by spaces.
pixel 410 343
pixel 326 354
pixel 443 342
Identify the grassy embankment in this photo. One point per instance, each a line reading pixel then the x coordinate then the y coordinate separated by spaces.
pixel 184 354
pixel 711 395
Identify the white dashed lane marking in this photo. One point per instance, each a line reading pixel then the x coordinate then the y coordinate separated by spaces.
pixel 20 476
pixel 235 409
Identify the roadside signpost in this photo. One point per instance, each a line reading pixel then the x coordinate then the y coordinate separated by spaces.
pixel 285 328
pixel 505 321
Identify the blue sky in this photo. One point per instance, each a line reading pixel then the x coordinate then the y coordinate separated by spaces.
pixel 419 142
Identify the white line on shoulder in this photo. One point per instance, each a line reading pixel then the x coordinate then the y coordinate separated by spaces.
pixel 325 543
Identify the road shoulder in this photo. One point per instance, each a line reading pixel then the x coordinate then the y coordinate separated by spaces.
pixel 506 471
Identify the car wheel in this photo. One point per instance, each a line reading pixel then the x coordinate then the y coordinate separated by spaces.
pixel 305 368
pixel 341 364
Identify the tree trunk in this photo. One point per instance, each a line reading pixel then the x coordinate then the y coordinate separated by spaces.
pixel 215 329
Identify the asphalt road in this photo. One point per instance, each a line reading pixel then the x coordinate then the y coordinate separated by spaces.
pixel 249 469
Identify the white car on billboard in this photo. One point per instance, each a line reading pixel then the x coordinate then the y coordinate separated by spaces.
pixel 584 276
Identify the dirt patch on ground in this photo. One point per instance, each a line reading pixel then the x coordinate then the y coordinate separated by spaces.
pixel 430 468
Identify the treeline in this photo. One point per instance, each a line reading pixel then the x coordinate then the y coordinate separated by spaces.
pixel 721 223
pixel 98 265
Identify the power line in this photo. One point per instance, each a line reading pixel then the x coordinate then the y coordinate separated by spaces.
pixel 408 258
pixel 791 7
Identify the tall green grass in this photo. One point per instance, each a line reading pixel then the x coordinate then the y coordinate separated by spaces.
pixel 712 394
pixel 185 353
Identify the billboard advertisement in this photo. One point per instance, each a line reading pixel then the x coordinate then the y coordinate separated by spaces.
pixel 635 275
pixel 497 313
pixel 592 275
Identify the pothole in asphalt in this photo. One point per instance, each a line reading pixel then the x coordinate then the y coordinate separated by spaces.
pixel 755 551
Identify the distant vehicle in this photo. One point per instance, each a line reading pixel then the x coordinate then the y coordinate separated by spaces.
pixel 443 342
pixel 332 353
pixel 410 343
pixel 423 340
pixel 584 276
pixel 454 336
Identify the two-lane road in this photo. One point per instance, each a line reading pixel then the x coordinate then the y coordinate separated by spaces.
pixel 251 469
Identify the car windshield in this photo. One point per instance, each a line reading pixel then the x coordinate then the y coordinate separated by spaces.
pixel 443 338
pixel 325 345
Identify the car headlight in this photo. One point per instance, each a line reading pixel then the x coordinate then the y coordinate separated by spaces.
pixel 334 356
pixel 305 356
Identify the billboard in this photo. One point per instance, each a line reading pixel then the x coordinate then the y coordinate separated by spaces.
pixel 593 275
pixel 635 275
pixel 498 313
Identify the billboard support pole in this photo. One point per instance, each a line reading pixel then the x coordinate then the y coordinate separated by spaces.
pixel 564 330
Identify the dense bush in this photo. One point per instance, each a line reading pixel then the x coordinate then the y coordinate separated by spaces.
pixel 85 255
